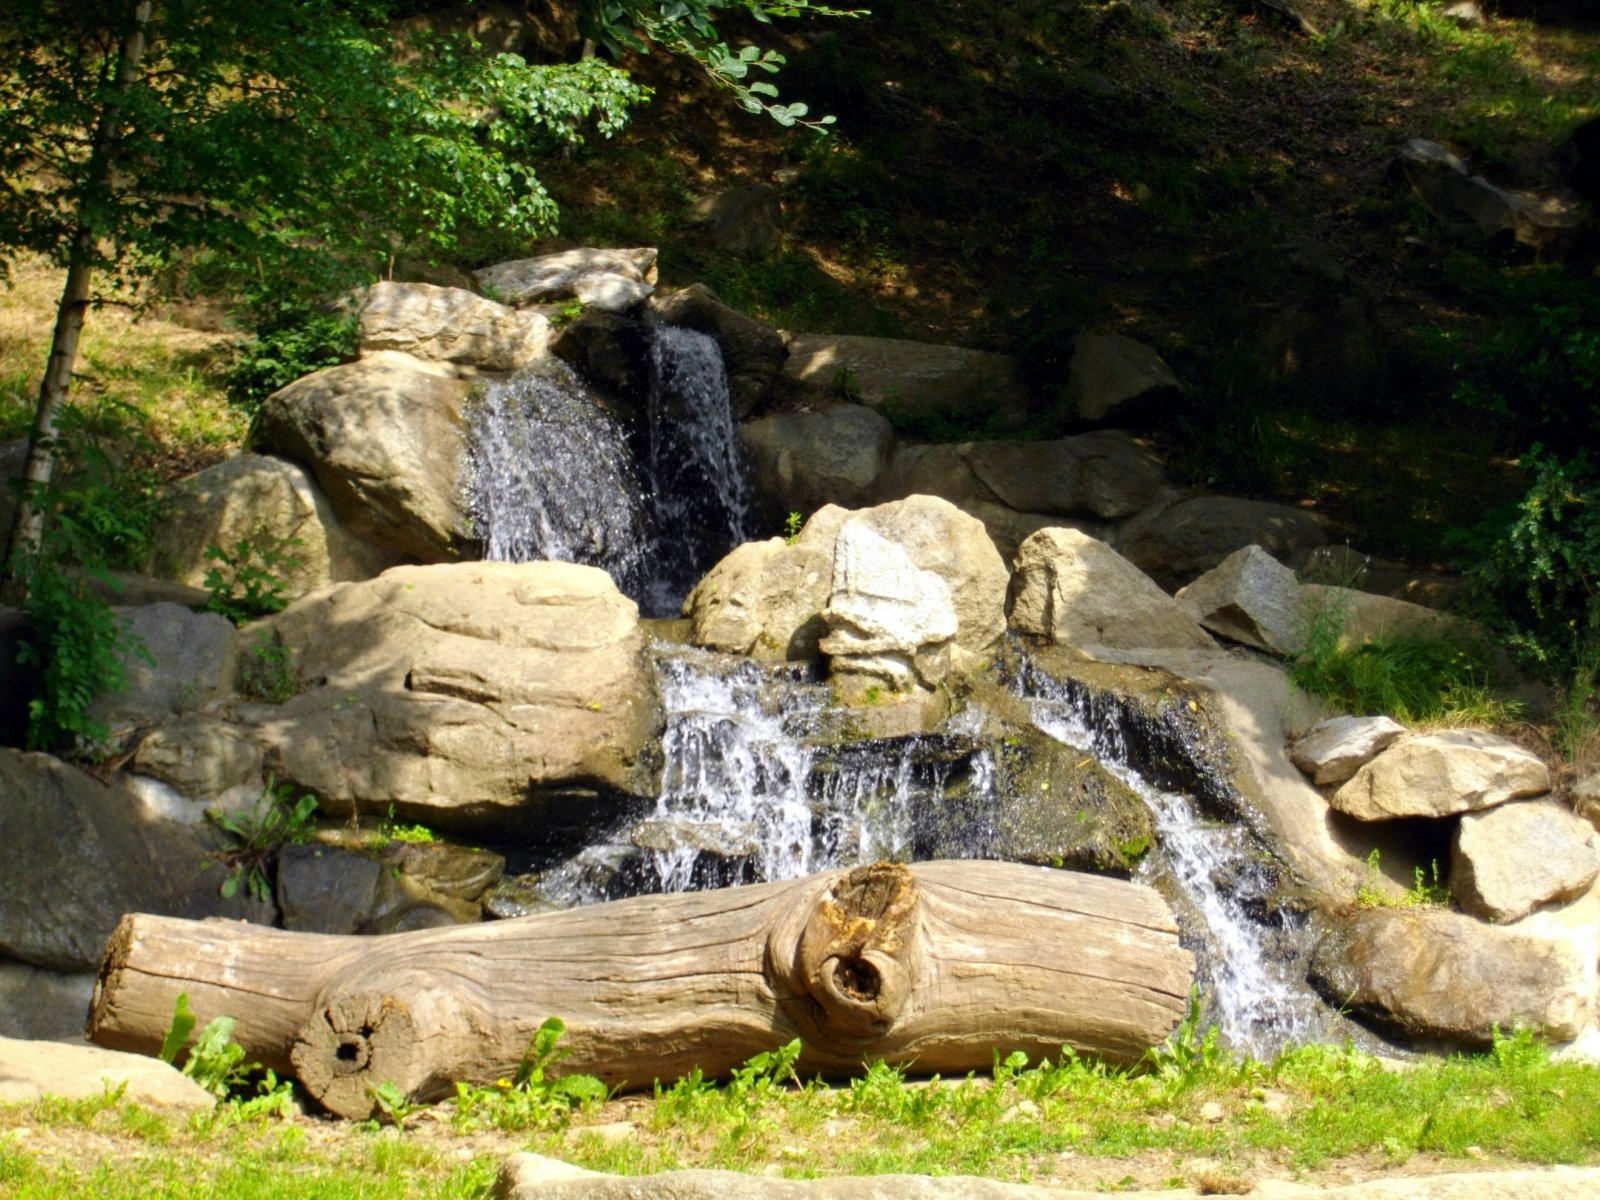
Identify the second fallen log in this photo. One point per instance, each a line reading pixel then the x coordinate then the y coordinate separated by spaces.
pixel 937 965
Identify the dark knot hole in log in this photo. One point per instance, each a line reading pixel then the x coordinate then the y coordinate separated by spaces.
pixel 857 978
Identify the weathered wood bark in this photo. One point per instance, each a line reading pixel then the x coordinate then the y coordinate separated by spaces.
pixel 937 965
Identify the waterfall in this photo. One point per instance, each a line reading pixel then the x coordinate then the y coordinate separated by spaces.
pixel 548 474
pixel 1257 1002
pixel 699 491
pixel 747 796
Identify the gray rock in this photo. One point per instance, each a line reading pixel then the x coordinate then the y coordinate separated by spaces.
pixel 200 756
pixel 1334 750
pixel 467 695
pixel 43 1005
pixel 745 222
pixel 1470 207
pixel 1435 975
pixel 1586 797
pixel 911 377
pixel 1174 543
pixel 752 353
pixel 1249 598
pixel 384 441
pixel 193 661
pixel 1104 474
pixel 324 890
pixel 268 503
pixel 939 537
pixel 451 325
pixel 1113 380
pixel 801 461
pixel 1506 862
pixel 31 1070
pixel 81 853
pixel 1077 591
pixel 1442 773
pixel 601 274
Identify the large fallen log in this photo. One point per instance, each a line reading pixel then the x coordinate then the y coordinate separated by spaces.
pixel 937 965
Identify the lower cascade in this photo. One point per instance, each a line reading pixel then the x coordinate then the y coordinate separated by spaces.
pixel 1258 1003
pixel 756 788
pixel 550 474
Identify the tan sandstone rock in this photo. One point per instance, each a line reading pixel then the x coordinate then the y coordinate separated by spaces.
pixel 1441 773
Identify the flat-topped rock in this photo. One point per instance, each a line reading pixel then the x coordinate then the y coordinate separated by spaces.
pixel 1508 861
pixel 917 377
pixel 1442 773
pixel 1077 591
pixel 612 279
pixel 451 325
pixel 1334 750
pixel 1113 380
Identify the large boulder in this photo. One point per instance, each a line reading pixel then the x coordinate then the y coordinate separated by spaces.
pixel 1506 862
pixel 745 222
pixel 201 756
pixel 889 623
pixel 752 353
pixel 81 853
pixel 265 504
pixel 1435 975
pixel 469 696
pixel 1362 616
pixel 189 659
pixel 450 325
pixel 1333 750
pixel 1076 591
pixel 1174 543
pixel 910 377
pixel 765 599
pixel 611 279
pixel 1250 598
pixel 1442 773
pixel 1114 380
pixel 801 461
pixel 43 1005
pixel 383 439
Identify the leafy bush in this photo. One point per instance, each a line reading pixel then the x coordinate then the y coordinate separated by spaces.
pixel 278 819
pixel 248 580
pixel 1538 581
pixel 533 1099
pixel 288 338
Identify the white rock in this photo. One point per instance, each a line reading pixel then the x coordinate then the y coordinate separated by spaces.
pixel 29 1070
pixel 1335 749
pixel 886 617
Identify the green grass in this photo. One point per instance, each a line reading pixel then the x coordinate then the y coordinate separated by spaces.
pixel 1072 1121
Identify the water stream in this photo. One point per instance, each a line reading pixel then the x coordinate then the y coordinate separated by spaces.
pixel 1216 874
pixel 550 475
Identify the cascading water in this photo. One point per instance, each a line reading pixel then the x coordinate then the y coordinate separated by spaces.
pixel 698 488
pixel 548 474
pixel 746 796
pixel 1258 1005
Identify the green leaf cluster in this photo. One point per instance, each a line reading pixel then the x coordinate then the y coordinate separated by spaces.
pixel 533 1098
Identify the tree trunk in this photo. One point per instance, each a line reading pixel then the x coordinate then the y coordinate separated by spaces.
pixel 938 965
pixel 27 525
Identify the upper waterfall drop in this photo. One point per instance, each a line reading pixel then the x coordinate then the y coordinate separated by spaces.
pixel 699 489
pixel 655 501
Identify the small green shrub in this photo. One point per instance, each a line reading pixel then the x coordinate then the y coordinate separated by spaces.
pixel 1411 677
pixel 278 819
pixel 532 1099
pixel 289 338
pixel 217 1063
pixel 248 580
pixel 1425 889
